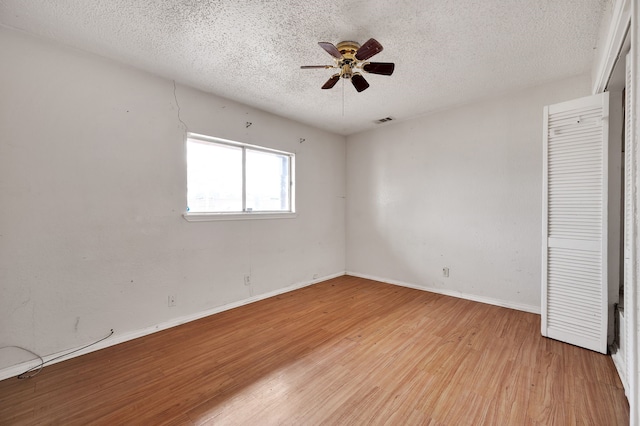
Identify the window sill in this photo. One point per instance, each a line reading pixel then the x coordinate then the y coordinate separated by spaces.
pixel 209 217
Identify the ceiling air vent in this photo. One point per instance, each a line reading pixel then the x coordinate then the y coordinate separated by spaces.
pixel 383 120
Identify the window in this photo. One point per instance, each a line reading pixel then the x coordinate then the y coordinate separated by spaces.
pixel 231 179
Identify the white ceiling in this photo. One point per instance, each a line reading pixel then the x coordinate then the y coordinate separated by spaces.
pixel 447 52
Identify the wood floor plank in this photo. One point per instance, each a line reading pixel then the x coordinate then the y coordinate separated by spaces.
pixel 344 351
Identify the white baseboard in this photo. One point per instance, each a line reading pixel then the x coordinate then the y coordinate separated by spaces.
pixel 620 364
pixel 453 293
pixel 15 370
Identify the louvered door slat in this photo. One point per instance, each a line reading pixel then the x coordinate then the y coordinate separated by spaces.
pixel 575 233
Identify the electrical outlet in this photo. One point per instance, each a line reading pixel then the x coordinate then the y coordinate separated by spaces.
pixel 171 302
pixel 247 280
pixel 445 271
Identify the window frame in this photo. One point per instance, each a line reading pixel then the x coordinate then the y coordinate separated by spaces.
pixel 244 214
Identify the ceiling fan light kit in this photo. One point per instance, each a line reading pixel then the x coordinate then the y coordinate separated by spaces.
pixel 350 58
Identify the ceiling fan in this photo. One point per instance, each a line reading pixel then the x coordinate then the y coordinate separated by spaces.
pixel 350 58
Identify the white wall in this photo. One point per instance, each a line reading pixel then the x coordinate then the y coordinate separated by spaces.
pixel 93 186
pixel 460 189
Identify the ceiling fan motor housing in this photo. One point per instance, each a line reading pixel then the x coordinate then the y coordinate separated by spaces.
pixel 348 50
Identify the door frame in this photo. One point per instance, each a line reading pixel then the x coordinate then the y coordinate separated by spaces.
pixel 625 19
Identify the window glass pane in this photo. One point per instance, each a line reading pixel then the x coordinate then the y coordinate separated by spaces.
pixel 214 177
pixel 267 181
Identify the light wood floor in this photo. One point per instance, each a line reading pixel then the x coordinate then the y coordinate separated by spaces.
pixel 345 351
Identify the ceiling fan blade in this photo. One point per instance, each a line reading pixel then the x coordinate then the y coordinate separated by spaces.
pixel 331 49
pixel 359 82
pixel 310 67
pixel 383 68
pixel 368 49
pixel 331 82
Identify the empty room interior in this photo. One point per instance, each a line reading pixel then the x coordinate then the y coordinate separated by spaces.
pixel 305 212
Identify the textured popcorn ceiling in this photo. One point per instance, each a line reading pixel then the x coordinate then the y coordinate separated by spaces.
pixel 447 52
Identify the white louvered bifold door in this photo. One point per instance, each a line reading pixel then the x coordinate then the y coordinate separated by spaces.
pixel 629 225
pixel 574 276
